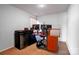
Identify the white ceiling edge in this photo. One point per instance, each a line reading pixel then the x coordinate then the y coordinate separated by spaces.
pixel 44 14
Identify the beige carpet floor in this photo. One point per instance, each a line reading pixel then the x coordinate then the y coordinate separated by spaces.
pixel 33 50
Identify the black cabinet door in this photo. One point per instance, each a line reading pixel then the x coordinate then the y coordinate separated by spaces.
pixel 19 39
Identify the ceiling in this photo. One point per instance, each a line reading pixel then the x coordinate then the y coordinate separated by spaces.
pixel 48 9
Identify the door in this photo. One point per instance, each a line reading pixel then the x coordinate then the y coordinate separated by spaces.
pixel 52 44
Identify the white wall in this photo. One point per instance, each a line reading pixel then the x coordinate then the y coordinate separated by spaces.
pixel 11 19
pixel 73 29
pixel 52 19
pixel 58 20
pixel 63 24
pixel 33 20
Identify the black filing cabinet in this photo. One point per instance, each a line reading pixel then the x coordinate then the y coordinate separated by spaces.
pixel 23 39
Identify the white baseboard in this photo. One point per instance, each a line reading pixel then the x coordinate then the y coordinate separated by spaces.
pixel 6 49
